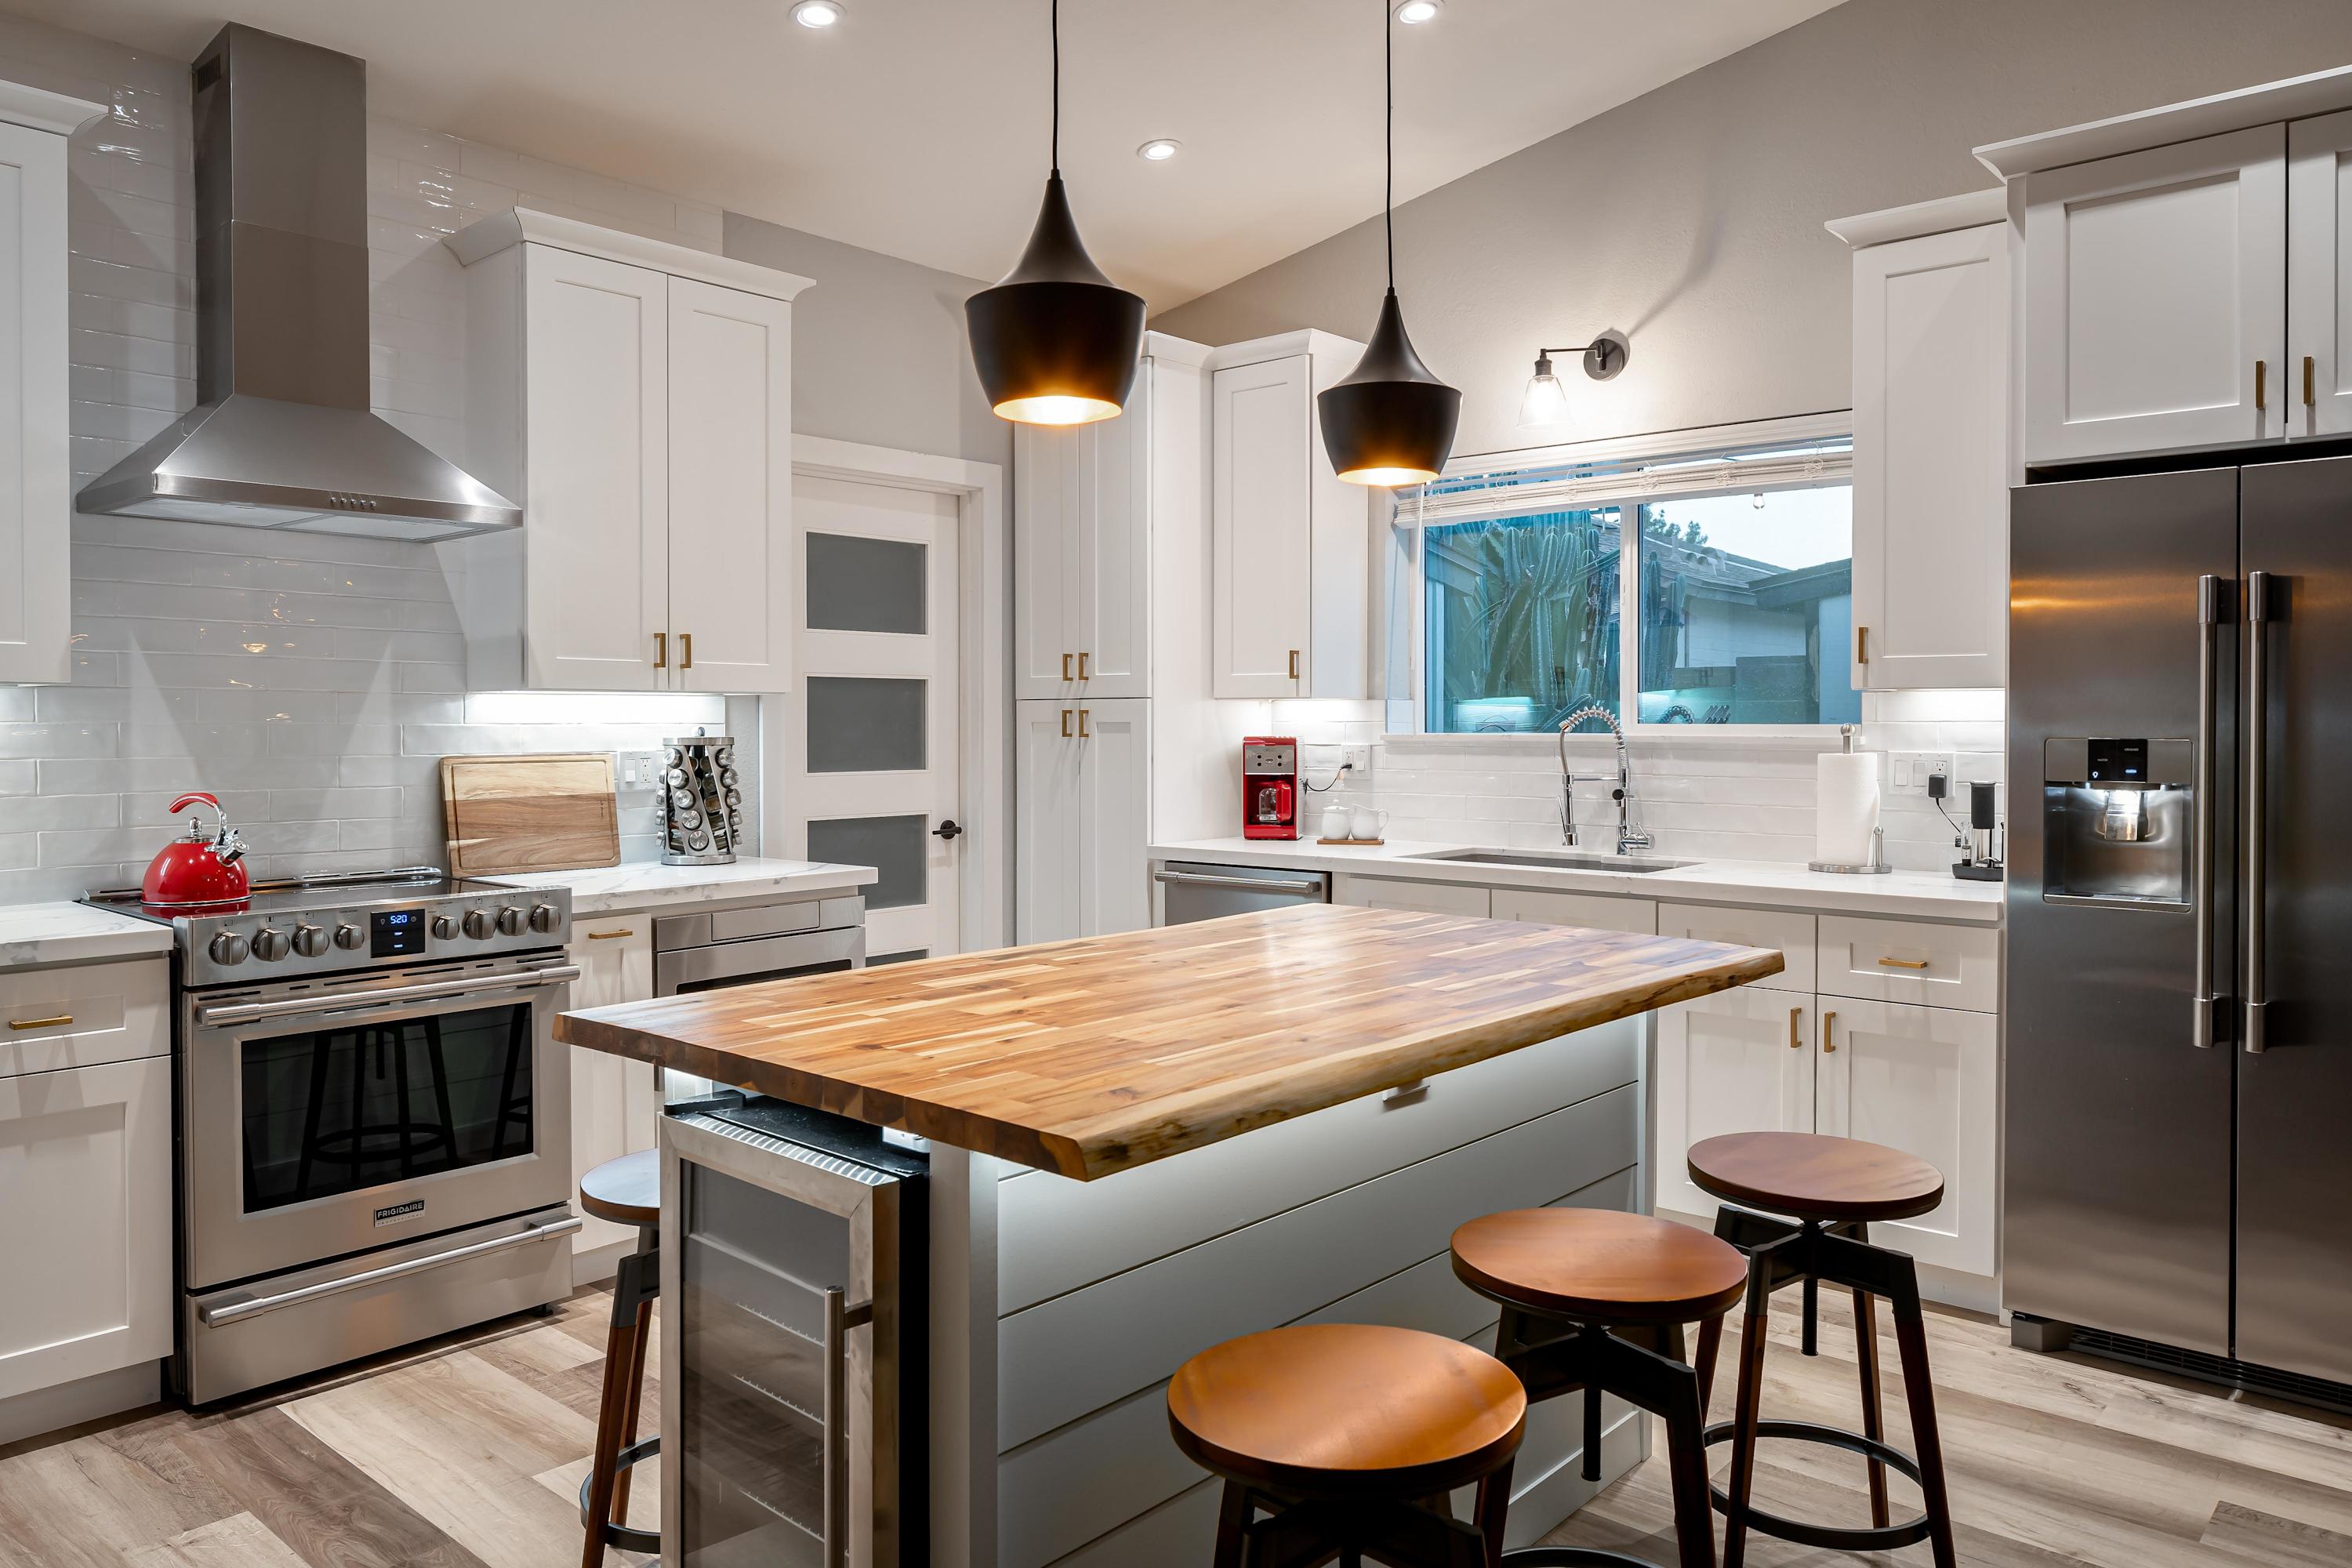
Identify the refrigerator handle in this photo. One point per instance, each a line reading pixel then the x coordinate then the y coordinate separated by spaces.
pixel 2209 619
pixel 2258 617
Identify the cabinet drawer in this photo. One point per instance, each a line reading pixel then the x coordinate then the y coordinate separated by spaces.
pixel 1594 911
pixel 85 1014
pixel 1428 898
pixel 1904 961
pixel 1791 933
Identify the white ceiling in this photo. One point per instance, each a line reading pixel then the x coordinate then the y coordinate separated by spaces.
pixel 919 127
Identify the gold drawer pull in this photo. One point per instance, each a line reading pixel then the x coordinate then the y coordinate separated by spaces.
pixel 1829 1032
pixel 1082 667
pixel 609 935
pixel 661 650
pixel 1293 664
pixel 1794 1043
pixel 686 650
pixel 1084 733
pixel 2261 384
pixel 1902 964
pixel 1065 666
pixel 1065 723
pixel 2310 397
pixel 59 1022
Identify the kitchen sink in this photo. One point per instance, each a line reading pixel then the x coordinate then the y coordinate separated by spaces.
pixel 1557 861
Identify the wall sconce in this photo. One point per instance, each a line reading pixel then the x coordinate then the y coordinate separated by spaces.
pixel 1545 402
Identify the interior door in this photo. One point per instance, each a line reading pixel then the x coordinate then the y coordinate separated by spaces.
pixel 1740 1061
pixel 872 733
pixel 730 512
pixel 2319 275
pixel 2295 1099
pixel 1260 526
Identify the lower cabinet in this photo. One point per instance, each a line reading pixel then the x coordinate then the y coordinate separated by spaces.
pixel 86 1219
pixel 1083 787
pixel 1426 897
pixel 1739 1061
pixel 616 1107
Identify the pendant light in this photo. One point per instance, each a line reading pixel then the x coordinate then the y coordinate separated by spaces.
pixel 1055 341
pixel 1390 422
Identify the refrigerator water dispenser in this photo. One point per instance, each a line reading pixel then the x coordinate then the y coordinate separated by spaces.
pixel 2116 821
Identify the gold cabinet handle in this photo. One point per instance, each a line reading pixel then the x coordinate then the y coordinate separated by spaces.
pixel 1082 667
pixel 686 650
pixel 59 1022
pixel 1084 733
pixel 609 935
pixel 2310 382
pixel 1065 723
pixel 1293 664
pixel 1828 1037
pixel 661 650
pixel 2261 384
pixel 1794 1043
pixel 1902 964
pixel 1862 644
pixel 1065 666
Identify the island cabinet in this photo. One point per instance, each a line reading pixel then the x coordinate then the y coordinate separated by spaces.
pixel 635 399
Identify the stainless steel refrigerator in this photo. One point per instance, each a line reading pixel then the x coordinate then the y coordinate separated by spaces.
pixel 2178 1123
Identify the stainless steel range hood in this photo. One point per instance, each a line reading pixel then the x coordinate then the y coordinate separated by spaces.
pixel 281 436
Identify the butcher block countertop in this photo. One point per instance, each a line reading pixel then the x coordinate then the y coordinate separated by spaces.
pixel 1087 1058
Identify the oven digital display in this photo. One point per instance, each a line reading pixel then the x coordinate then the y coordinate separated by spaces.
pixel 392 932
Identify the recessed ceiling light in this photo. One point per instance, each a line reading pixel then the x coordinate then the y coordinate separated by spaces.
pixel 1159 150
pixel 1416 11
pixel 826 13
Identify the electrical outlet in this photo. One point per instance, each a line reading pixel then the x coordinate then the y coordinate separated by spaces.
pixel 1358 758
pixel 1907 772
pixel 637 770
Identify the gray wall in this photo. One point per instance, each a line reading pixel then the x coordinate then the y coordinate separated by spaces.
pixel 877 346
pixel 1690 217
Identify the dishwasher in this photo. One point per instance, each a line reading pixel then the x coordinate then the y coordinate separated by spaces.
pixel 1192 891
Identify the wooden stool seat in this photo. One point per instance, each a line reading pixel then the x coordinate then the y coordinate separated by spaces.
pixel 1347 1411
pixel 1600 1266
pixel 626 1191
pixel 1815 1177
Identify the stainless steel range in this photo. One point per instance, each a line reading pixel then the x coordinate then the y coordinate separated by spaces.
pixel 374 1117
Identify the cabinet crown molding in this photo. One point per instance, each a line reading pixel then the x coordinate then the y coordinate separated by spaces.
pixel 1971 209
pixel 524 226
pixel 1176 350
pixel 38 109
pixel 2297 98
pixel 1284 345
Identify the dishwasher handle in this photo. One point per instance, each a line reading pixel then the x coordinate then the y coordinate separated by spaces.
pixel 1238 884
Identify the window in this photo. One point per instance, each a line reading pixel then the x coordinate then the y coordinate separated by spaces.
pixel 1740 577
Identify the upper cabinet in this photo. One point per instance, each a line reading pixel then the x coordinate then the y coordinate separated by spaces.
pixel 1289 544
pixel 1931 447
pixel 635 398
pixel 35 446
pixel 2186 276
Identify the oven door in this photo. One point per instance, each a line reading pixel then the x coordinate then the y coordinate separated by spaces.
pixel 326 1118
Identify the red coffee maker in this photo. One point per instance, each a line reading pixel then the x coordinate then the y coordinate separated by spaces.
pixel 1269 786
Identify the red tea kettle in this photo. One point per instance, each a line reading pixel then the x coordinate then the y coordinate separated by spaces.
pixel 193 871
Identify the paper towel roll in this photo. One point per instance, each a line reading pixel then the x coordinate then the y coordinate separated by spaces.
pixel 1845 808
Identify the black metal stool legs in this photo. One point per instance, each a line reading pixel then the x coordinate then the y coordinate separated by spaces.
pixel 1298 1533
pixel 1779 1252
pixel 605 1491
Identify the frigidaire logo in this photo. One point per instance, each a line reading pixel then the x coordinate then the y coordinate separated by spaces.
pixel 399 1212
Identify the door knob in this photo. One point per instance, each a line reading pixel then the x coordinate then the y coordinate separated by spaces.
pixel 947 830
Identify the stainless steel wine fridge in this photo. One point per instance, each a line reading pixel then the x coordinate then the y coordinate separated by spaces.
pixel 794 1278
pixel 2180 1062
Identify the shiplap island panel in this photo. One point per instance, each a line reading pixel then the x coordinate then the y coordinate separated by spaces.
pixel 1094 1056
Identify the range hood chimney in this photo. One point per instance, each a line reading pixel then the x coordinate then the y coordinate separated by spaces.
pixel 281 436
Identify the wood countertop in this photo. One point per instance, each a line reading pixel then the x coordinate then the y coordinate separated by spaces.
pixel 1089 1057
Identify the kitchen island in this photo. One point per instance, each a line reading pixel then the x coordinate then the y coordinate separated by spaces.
pixel 1345 1086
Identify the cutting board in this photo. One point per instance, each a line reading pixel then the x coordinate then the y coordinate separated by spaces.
pixel 508 815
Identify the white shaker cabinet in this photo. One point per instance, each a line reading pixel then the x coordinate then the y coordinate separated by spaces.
pixel 616 1107
pixel 636 399
pixel 2319 275
pixel 1082 549
pixel 1739 1061
pixel 2155 305
pixel 1425 897
pixel 1289 544
pixel 36 464
pixel 1931 451
pixel 1083 779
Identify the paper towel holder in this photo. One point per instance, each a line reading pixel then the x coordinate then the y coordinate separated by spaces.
pixel 1877 865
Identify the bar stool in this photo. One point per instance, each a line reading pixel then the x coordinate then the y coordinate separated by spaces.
pixel 626 1191
pixel 1833 1187
pixel 1603 1282
pixel 1349 1436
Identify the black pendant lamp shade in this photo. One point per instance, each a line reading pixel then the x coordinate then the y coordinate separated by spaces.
pixel 1390 422
pixel 1055 341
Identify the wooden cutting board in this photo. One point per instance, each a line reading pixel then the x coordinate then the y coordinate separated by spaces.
pixel 554 811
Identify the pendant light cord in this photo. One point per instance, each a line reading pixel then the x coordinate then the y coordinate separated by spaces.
pixel 1057 156
pixel 1388 132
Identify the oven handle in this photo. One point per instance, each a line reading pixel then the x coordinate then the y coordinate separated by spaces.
pixel 252 1306
pixel 346 1001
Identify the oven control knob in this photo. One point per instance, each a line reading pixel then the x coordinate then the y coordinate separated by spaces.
pixel 478 923
pixel 309 941
pixel 269 944
pixel 444 927
pixel 544 917
pixel 349 936
pixel 229 948
pixel 510 922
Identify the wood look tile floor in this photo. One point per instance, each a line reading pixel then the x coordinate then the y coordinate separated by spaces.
pixel 469 1453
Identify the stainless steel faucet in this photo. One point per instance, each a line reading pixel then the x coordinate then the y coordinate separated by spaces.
pixel 1627 840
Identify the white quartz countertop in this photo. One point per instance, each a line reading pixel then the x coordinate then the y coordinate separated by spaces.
pixel 74 934
pixel 1914 895
pixel 650 885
